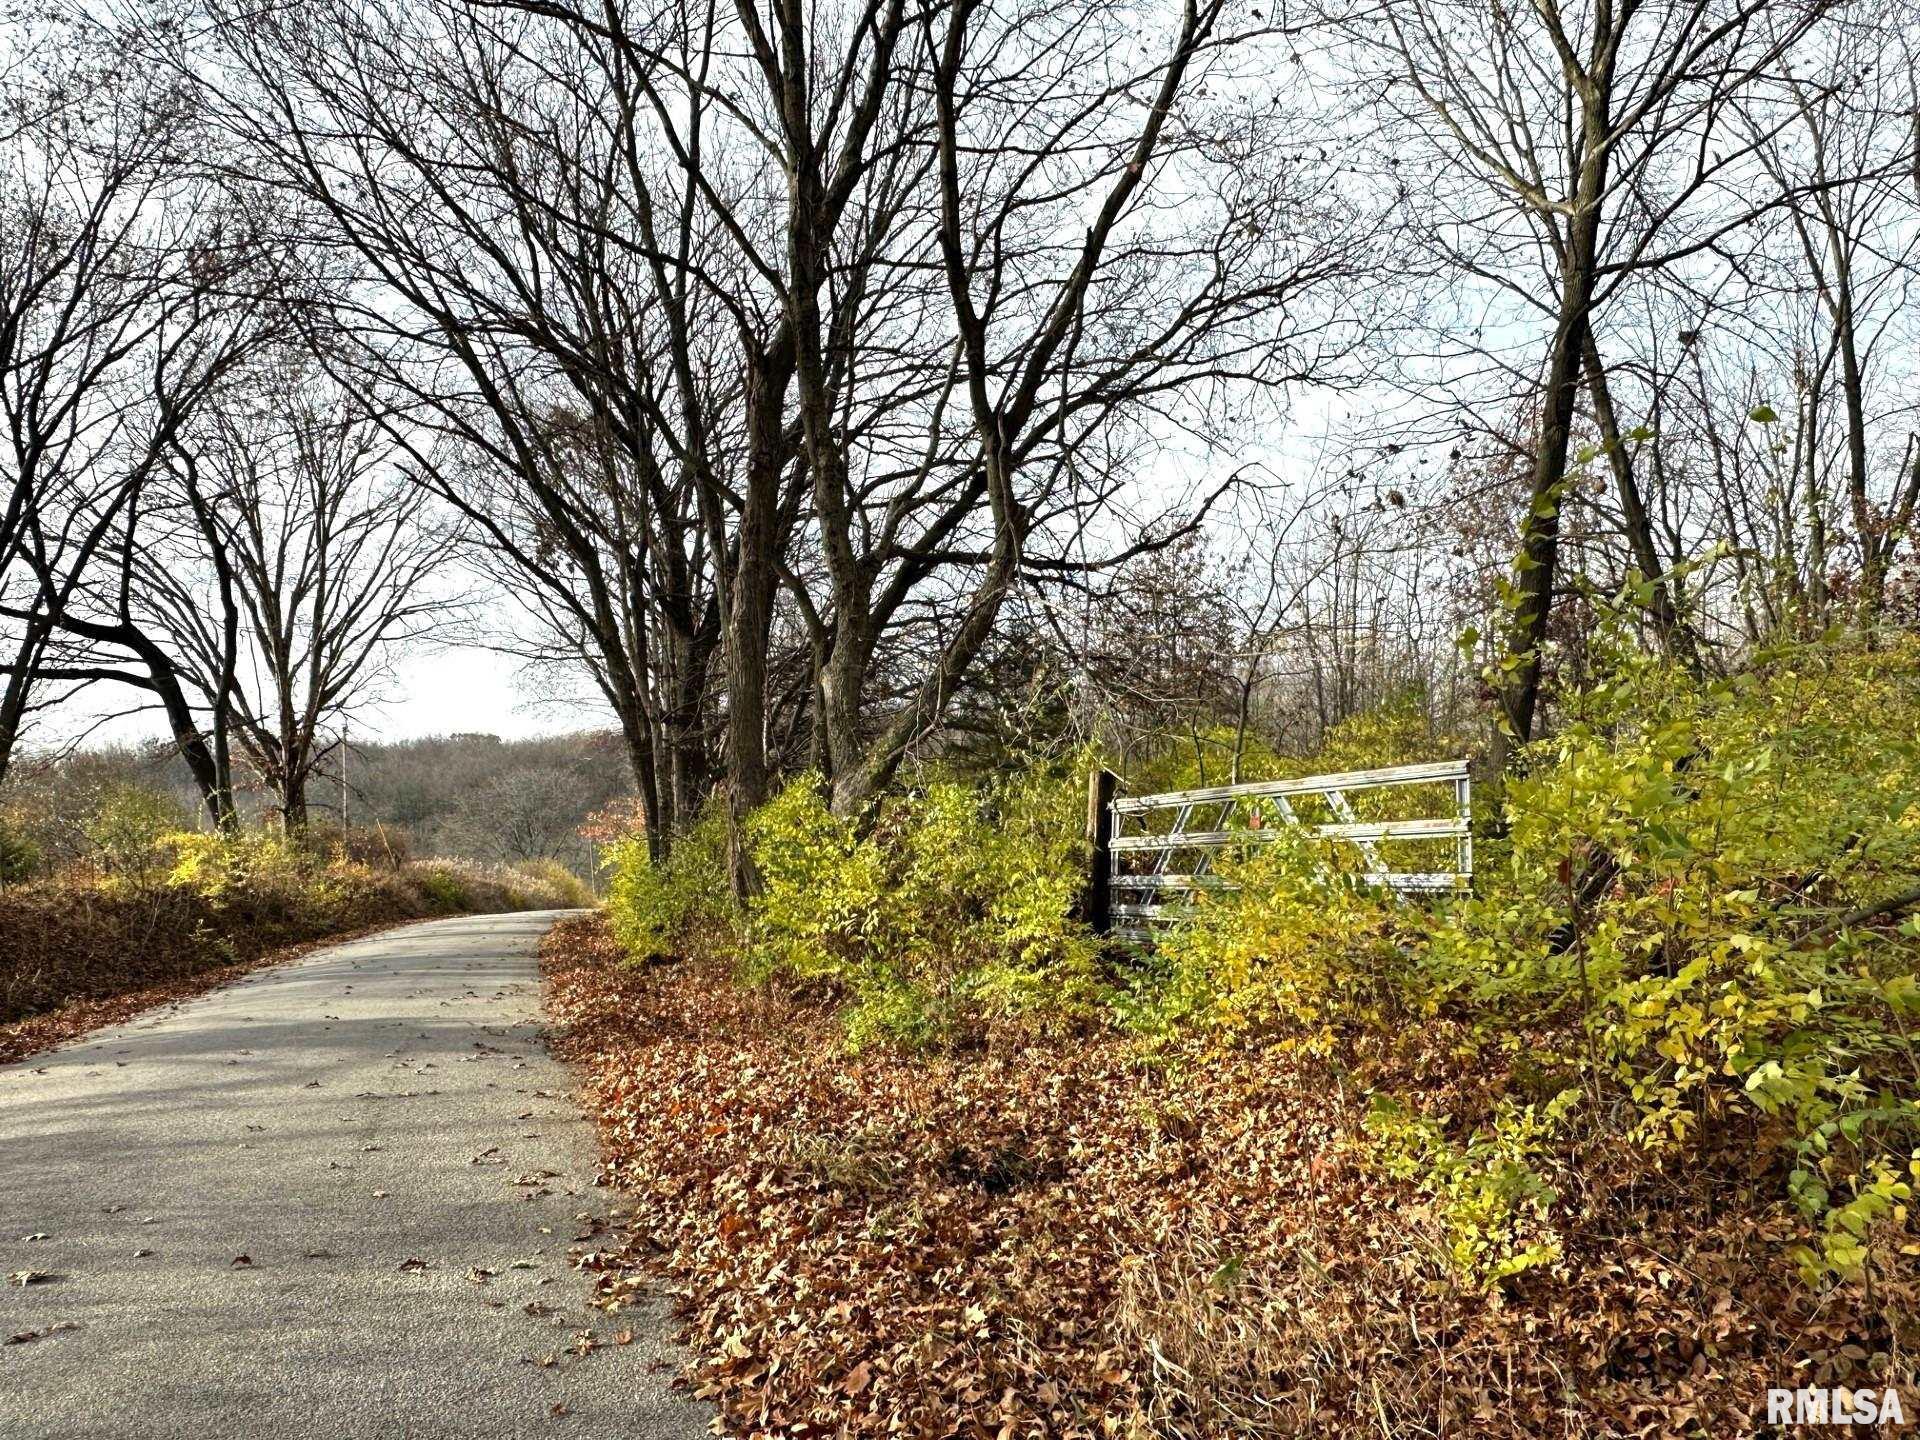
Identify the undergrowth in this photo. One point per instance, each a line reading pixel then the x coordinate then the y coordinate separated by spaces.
pixel 1689 964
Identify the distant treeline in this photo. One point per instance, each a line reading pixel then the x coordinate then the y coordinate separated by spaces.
pixel 471 796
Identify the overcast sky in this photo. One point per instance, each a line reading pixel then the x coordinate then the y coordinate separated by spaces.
pixel 466 689
pixel 436 693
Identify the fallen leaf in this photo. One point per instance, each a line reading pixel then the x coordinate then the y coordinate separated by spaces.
pixel 21 1337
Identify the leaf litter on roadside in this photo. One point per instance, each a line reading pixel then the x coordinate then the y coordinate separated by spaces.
pixel 1056 1236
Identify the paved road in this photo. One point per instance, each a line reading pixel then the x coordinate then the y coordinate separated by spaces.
pixel 374 1128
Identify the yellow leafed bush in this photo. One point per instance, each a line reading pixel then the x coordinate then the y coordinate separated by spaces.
pixel 1744 967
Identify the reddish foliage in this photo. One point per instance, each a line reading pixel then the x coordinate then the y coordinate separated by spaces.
pixel 615 821
pixel 1036 1238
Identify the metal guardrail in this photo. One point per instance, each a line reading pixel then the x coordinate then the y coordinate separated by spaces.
pixel 1134 874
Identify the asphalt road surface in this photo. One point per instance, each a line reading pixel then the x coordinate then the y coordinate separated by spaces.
pixel 336 1199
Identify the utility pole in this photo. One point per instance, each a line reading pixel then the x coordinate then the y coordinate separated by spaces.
pixel 343 776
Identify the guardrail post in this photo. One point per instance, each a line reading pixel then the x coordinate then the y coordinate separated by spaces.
pixel 1102 784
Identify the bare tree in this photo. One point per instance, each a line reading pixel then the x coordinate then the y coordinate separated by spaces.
pixel 94 328
pixel 526 814
pixel 697 415
pixel 86 494
pixel 1848 163
pixel 296 558
pixel 488 197
pixel 1610 138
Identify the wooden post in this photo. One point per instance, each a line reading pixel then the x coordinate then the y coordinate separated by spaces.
pixel 1101 787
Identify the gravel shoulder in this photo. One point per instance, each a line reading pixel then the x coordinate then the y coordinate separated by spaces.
pixel 339 1198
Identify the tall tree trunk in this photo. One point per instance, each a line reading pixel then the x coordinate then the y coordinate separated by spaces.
pixel 216 789
pixel 1672 627
pixel 19 691
pixel 1536 567
pixel 226 814
pixel 750 607
pixel 819 752
pixel 640 740
pixel 1873 552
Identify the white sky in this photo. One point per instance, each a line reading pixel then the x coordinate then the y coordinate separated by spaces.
pixel 438 692
pixel 477 690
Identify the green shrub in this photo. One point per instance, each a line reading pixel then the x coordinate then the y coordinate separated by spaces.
pixel 444 890
pixel 958 901
pixel 1495 1208
pixel 822 888
pixel 664 909
pixel 20 858
pixel 215 862
pixel 553 885
pixel 124 831
pixel 1710 986
pixel 1292 950
pixel 1709 990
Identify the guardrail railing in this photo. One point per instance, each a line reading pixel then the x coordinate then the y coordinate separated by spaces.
pixel 1140 871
